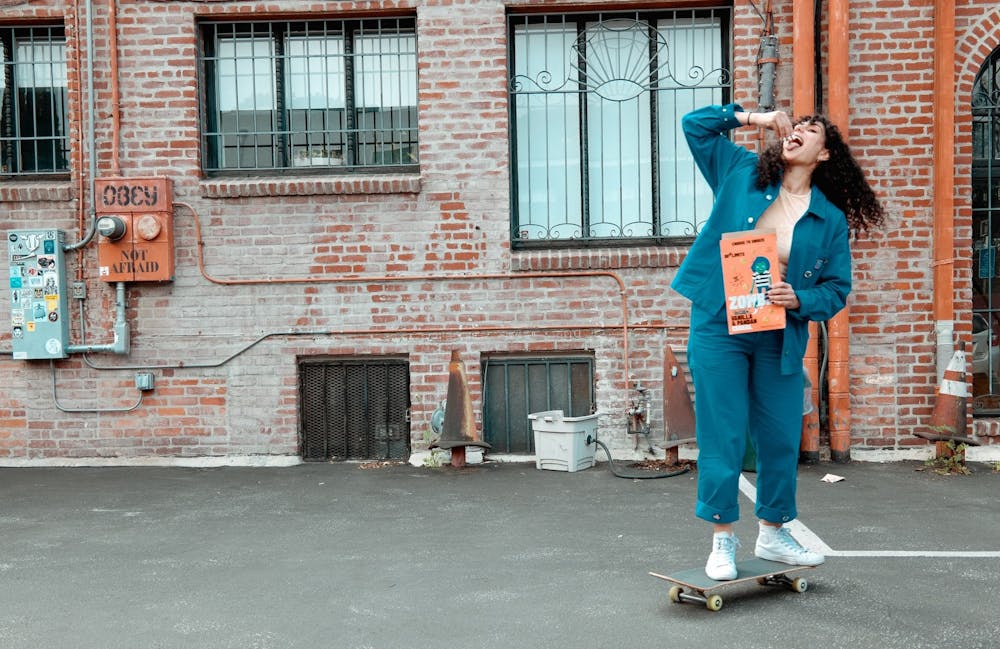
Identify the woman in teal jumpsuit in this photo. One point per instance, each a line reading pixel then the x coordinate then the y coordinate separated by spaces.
pixel 810 190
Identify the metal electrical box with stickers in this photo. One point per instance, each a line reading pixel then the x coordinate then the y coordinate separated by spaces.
pixel 39 313
pixel 136 229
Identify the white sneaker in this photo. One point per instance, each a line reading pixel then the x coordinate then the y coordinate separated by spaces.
pixel 721 564
pixel 778 544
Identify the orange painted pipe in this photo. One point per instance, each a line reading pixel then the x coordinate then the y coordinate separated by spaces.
pixel 839 326
pixel 356 279
pixel 809 449
pixel 803 57
pixel 944 159
pixel 804 103
pixel 838 386
pixel 944 163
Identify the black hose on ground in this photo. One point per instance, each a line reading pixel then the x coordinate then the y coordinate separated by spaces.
pixel 646 475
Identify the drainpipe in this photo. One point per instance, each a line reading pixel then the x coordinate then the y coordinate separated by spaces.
pixel 804 103
pixel 803 54
pixel 944 187
pixel 839 326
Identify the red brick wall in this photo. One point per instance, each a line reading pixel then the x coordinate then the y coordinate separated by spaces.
pixel 448 229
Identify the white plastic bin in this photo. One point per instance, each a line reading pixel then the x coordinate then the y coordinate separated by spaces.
pixel 561 442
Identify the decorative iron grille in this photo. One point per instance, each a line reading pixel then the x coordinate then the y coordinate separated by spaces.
pixel 354 409
pixel 597 150
pixel 986 238
pixel 514 387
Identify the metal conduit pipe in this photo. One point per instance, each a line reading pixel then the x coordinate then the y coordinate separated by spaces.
pixel 385 279
pixel 292 333
pixel 64 408
pixel 121 342
pixel 116 111
pixel 297 333
pixel 81 209
pixel 91 137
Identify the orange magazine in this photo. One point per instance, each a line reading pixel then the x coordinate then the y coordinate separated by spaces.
pixel 749 267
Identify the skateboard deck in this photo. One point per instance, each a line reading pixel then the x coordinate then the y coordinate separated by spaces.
pixel 693 585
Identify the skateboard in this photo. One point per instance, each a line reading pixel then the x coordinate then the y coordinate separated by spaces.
pixel 693 585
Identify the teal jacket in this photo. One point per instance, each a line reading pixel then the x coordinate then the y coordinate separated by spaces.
pixel 819 264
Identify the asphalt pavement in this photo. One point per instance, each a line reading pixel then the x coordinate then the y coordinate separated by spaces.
pixel 494 555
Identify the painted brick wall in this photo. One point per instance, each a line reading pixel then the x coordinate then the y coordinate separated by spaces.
pixel 265 266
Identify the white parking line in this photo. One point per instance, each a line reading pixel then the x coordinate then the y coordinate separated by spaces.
pixel 956 554
pixel 810 540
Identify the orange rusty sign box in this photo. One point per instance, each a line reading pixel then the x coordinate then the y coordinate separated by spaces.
pixel 136 226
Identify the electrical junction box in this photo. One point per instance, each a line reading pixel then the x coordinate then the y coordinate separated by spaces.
pixel 136 228
pixel 39 312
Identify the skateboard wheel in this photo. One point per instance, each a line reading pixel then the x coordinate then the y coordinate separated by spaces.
pixel 762 581
pixel 714 603
pixel 675 594
pixel 800 585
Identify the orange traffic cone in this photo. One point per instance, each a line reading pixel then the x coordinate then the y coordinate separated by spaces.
pixel 678 410
pixel 948 422
pixel 459 426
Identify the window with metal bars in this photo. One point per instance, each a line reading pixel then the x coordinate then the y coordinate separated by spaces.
pixel 340 95
pixel 986 238
pixel 34 134
pixel 597 152
pixel 516 386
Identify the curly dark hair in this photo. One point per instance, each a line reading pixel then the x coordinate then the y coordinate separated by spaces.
pixel 840 178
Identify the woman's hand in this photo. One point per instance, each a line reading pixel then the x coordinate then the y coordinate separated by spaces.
pixel 782 294
pixel 777 121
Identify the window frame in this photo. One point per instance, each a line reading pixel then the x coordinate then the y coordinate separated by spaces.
pixel 355 145
pixel 985 205
pixel 654 22
pixel 515 385
pixel 13 140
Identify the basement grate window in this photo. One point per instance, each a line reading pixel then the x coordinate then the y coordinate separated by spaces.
pixel 514 387
pixel 354 409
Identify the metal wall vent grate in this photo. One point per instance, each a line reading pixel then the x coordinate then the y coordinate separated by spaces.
pixel 514 387
pixel 354 409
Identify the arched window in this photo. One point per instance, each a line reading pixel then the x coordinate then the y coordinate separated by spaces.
pixel 986 237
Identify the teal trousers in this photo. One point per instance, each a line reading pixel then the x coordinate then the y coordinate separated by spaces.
pixel 739 388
